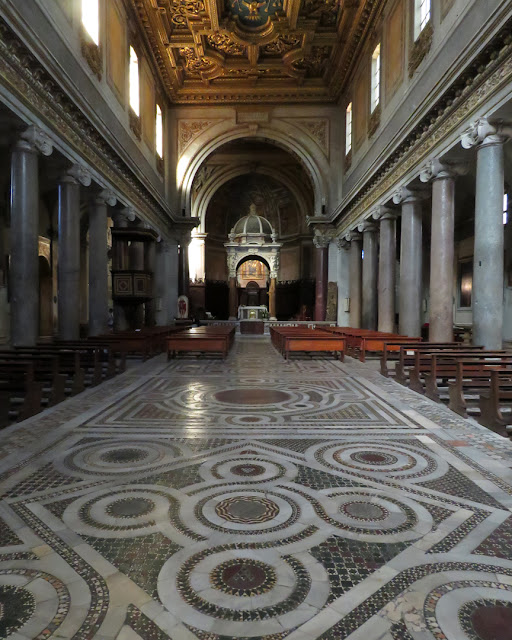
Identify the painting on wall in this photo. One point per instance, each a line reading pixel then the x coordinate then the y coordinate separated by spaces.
pixel 465 283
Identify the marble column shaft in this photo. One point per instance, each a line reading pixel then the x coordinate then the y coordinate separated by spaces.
pixel 233 301
pixel 98 267
pixel 387 269
pixel 69 259
pixel 489 244
pixel 150 261
pixel 24 266
pixel 321 271
pixel 442 258
pixel 355 280
pixel 411 268
pixel 370 272
pixel 272 299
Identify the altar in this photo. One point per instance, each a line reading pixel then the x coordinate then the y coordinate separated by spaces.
pixel 252 313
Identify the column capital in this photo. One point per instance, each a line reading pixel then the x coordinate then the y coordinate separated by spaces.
pixel 35 139
pixel 342 243
pixel 382 212
pixel 105 196
pixel 442 170
pixel 407 194
pixel 354 236
pixel 368 226
pixel 482 132
pixel 77 174
pixel 321 240
pixel 129 214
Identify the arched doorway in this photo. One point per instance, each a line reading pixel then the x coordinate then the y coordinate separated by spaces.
pixel 45 298
pixel 253 277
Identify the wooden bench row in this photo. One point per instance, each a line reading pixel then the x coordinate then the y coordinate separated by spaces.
pixel 471 380
pixel 360 343
pixel 201 340
pixel 300 339
pixel 33 378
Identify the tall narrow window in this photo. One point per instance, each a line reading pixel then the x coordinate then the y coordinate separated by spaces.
pixel 421 17
pixel 91 19
pixel 375 84
pixel 348 129
pixel 159 132
pixel 134 82
pixel 505 208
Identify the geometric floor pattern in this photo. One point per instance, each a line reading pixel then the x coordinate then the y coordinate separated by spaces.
pixel 254 498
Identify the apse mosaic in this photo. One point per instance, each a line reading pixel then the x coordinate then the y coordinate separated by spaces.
pixel 242 499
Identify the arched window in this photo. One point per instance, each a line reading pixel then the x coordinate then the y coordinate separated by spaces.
pixel 91 19
pixel 375 82
pixel 421 16
pixel 348 129
pixel 134 82
pixel 159 132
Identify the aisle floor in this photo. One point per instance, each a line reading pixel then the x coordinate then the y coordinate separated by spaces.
pixel 253 498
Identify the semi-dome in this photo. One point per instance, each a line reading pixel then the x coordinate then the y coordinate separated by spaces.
pixel 252 229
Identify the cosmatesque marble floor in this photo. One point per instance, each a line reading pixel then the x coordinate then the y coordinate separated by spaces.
pixel 253 498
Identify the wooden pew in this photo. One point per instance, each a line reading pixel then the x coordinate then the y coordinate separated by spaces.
pixel 473 377
pixel 493 401
pixel 299 339
pixel 20 393
pixel 391 352
pixel 201 340
pixel 409 364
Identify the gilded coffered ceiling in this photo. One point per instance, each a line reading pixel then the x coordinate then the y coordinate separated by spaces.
pixel 220 51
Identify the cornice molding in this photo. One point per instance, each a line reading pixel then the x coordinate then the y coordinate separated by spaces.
pixel 488 73
pixel 22 74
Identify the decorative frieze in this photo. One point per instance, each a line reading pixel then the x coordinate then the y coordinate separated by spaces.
pixel 22 74
pixel 488 73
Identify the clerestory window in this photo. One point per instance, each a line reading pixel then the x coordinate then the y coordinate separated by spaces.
pixel 348 129
pixel 91 19
pixel 375 82
pixel 159 132
pixel 421 16
pixel 134 82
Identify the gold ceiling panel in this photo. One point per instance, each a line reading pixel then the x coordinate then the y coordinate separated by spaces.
pixel 221 51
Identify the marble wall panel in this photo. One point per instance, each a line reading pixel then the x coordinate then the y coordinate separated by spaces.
pixel 360 107
pixel 394 50
pixel 147 94
pixel 117 50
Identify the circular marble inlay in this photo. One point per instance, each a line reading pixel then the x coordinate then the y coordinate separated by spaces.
pixel 130 507
pixel 124 455
pixel 361 510
pixel 373 457
pixel 16 607
pixel 252 396
pixel 247 509
pixel 492 622
pixel 248 470
pixel 243 577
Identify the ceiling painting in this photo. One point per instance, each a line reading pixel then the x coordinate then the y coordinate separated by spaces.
pixel 222 51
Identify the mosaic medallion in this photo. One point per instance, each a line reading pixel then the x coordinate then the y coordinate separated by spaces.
pixel 362 510
pixel 247 509
pixel 243 577
pixel 252 396
pixel 248 470
pixel 372 457
pixel 16 607
pixel 130 507
pixel 487 619
pixel 124 456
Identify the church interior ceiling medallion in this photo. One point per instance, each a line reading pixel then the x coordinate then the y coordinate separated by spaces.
pixel 254 50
